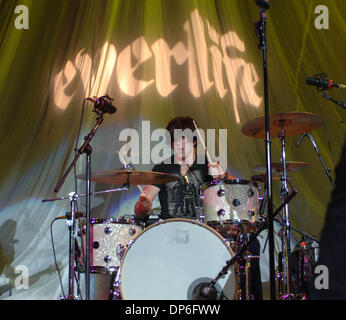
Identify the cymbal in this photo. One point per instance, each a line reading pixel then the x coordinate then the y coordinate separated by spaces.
pixel 294 123
pixel 133 177
pixel 277 167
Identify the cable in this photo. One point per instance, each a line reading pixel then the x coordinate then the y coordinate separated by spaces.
pixel 54 254
pixel 57 267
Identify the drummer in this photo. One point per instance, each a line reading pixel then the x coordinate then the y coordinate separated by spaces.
pixel 180 198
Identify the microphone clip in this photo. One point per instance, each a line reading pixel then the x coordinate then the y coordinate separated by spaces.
pixel 103 105
pixel 322 77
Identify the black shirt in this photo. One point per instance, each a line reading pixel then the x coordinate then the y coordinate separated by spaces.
pixel 182 198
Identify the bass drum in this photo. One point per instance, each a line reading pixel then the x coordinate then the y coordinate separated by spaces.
pixel 171 258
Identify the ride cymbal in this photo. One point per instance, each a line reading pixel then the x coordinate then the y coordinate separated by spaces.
pixel 277 167
pixel 294 123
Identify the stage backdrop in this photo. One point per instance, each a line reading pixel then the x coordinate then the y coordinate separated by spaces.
pixel 157 59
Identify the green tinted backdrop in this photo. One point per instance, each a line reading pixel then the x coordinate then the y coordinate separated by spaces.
pixel 157 59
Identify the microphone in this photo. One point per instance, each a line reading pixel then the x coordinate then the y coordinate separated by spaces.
pixel 103 104
pixel 324 84
pixel 69 214
pixel 301 138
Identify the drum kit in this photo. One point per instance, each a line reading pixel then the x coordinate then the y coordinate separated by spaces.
pixel 176 258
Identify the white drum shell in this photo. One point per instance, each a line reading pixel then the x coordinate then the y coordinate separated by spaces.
pixel 237 198
pixel 108 242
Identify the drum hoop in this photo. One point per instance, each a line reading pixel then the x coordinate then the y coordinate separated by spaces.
pixel 229 181
pixel 235 222
pixel 161 221
pixel 110 220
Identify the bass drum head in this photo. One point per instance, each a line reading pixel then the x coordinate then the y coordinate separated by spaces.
pixel 168 260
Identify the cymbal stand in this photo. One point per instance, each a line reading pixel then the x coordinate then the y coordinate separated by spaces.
pixel 243 248
pixel 286 234
pixel 243 271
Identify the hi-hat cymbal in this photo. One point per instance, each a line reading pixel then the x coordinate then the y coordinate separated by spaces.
pixel 133 177
pixel 277 167
pixel 294 123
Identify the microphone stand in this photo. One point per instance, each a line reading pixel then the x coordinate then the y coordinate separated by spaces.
pixel 261 34
pixel 321 159
pixel 85 148
pixel 341 103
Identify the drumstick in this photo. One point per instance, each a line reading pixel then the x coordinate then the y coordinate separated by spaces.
pixel 202 141
pixel 122 160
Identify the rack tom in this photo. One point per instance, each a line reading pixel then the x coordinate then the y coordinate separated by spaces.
pixel 231 206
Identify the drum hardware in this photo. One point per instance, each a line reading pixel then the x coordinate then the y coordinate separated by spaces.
pixel 282 125
pixel 244 278
pixel 326 170
pixel 244 246
pixel 221 192
pixel 286 248
pixel 72 236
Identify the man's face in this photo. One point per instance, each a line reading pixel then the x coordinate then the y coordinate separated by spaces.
pixel 183 149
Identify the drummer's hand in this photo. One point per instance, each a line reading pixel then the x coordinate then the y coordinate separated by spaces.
pixel 143 204
pixel 216 170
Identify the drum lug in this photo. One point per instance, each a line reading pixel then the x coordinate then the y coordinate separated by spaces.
pixel 107 259
pixel 221 212
pixel 120 250
pixel 132 231
pixel 251 213
pixel 221 192
pixel 108 230
pixel 250 193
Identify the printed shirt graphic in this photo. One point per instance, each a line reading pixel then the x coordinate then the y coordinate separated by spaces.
pixel 181 199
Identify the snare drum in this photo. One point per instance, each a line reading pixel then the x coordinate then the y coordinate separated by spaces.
pixel 171 258
pixel 108 241
pixel 231 206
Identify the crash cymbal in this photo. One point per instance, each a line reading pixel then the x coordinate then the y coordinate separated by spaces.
pixel 133 177
pixel 278 168
pixel 294 123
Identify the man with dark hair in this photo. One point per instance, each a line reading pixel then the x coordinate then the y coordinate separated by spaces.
pixel 182 198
